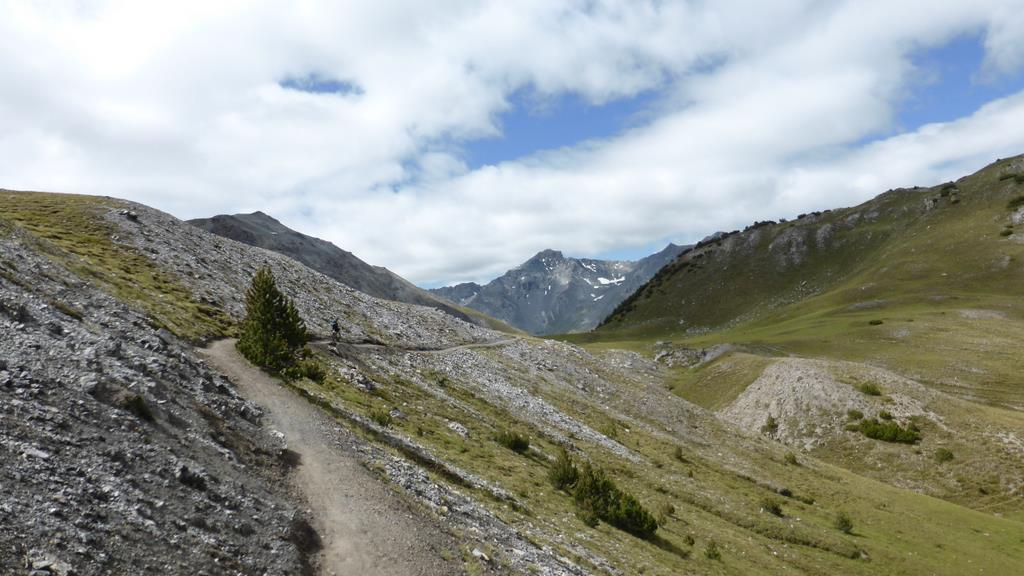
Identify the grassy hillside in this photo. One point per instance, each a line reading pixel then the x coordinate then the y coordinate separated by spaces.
pixel 926 281
pixel 764 510
pixel 906 311
pixel 73 231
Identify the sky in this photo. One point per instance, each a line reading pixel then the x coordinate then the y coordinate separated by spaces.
pixel 451 140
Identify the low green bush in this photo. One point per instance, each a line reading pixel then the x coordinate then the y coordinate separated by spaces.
pixel 563 473
pixel 382 416
pixel 943 455
pixel 514 441
pixel 306 368
pixel 870 388
pixel 137 405
pixel 876 322
pixel 711 551
pixel 888 431
pixel 843 523
pixel 1015 203
pixel 771 426
pixel 597 497
pixel 67 310
pixel 772 506
pixel 885 415
pixel 665 511
pixel 791 459
pixel 854 415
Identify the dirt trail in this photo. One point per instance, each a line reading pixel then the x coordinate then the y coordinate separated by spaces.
pixel 366 528
pixel 386 348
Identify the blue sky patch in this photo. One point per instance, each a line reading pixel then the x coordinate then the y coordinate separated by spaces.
pixel 955 84
pixel 534 124
pixel 317 84
pixel 635 253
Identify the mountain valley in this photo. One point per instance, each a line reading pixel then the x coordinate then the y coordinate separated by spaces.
pixel 836 394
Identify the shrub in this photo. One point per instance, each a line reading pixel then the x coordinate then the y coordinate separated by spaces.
pixel 678 455
pixel 843 523
pixel 854 414
pixel 67 310
pixel 597 497
pixel 137 405
pixel 772 506
pixel 563 473
pixel 665 511
pixel 711 551
pixel 307 368
pixel 876 322
pixel 943 455
pixel 885 415
pixel 771 426
pixel 631 516
pixel 1006 232
pixel 1015 203
pixel 514 441
pixel 791 459
pixel 870 388
pixel 888 431
pixel 272 331
pixel 609 429
pixel 382 416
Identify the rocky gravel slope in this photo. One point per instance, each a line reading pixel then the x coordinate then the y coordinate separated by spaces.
pixel 218 271
pixel 120 451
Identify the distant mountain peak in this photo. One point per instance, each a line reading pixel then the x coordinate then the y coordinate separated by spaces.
pixel 552 293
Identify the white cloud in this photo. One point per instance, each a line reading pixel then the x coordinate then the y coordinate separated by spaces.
pixel 177 105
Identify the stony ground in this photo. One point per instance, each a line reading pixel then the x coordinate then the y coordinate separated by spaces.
pixel 124 452
pixel 365 527
pixel 218 271
pixel 120 452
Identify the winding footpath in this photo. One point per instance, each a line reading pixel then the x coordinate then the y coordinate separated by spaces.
pixel 366 528
pixel 387 348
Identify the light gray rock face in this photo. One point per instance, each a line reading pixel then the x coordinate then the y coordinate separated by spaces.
pixel 120 451
pixel 218 271
pixel 551 294
pixel 260 230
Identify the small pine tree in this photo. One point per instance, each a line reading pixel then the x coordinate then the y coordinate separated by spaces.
pixel 597 497
pixel 272 331
pixel 711 551
pixel 563 473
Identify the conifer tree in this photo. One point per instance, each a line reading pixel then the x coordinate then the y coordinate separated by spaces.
pixel 272 331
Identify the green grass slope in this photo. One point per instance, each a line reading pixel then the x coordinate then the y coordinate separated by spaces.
pixel 925 281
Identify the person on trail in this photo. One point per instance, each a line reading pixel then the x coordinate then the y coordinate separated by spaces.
pixel 335 330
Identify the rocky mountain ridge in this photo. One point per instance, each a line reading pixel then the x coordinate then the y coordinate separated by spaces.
pixel 263 231
pixel 551 293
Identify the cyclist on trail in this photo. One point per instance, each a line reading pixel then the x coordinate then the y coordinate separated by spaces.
pixel 335 330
